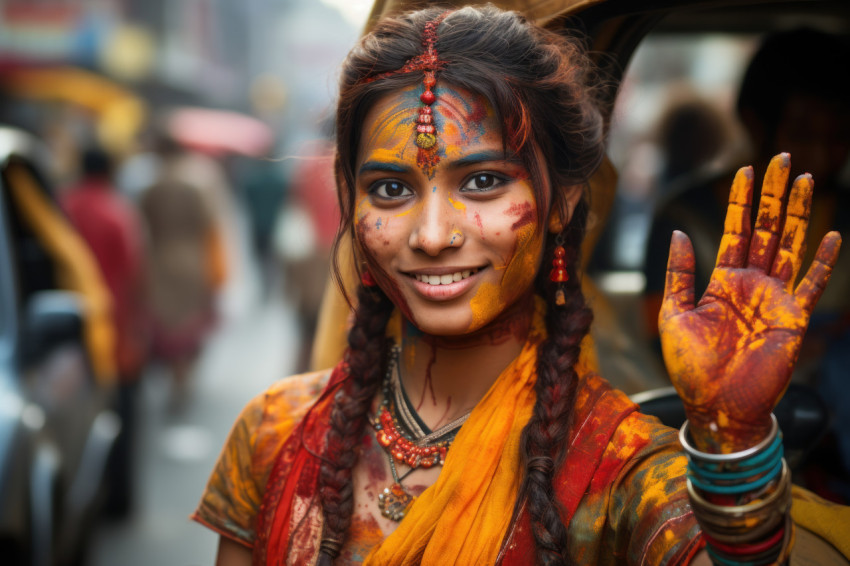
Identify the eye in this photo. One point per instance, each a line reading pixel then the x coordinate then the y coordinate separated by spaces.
pixel 481 182
pixel 390 189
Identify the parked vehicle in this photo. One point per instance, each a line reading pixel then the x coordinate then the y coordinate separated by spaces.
pixel 56 427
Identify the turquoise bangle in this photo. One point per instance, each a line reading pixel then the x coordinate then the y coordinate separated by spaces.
pixel 712 475
pixel 750 462
pixel 739 488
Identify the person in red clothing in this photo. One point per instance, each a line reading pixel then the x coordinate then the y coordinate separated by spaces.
pixel 113 230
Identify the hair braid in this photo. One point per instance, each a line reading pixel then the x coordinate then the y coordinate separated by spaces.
pixel 365 358
pixel 544 437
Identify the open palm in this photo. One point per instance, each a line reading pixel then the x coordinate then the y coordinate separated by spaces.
pixel 730 357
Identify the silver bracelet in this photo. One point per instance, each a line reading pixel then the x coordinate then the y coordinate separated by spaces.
pixel 733 456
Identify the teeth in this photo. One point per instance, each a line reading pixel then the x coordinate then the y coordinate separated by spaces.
pixel 445 279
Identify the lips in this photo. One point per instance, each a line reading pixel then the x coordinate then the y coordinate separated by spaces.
pixel 443 284
pixel 445 278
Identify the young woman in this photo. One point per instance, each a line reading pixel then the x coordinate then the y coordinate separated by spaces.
pixel 464 425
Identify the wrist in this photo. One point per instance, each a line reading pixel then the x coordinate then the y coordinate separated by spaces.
pixel 716 433
pixel 742 499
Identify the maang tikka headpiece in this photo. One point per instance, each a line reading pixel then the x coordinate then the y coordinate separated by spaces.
pixel 426 134
pixel 428 62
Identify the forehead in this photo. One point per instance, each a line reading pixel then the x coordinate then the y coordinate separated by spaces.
pixel 464 121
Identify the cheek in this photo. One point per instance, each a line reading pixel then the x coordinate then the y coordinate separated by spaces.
pixel 519 242
pixel 379 235
pixel 377 228
pixel 522 265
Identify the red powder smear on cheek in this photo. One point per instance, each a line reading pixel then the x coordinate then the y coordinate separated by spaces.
pixel 480 225
pixel 362 228
pixel 391 289
pixel 525 213
pixel 388 286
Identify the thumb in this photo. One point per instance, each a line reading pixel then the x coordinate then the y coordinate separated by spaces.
pixel 679 283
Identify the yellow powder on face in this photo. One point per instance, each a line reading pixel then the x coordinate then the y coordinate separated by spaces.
pixel 524 260
pixel 386 154
pixel 458 205
pixel 488 299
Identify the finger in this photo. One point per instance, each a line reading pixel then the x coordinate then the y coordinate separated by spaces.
pixel 679 284
pixel 765 238
pixel 792 246
pixel 811 287
pixel 736 230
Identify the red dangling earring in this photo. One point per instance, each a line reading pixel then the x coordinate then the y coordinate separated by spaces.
pixel 559 273
pixel 366 279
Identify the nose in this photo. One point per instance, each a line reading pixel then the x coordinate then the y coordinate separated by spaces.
pixel 437 226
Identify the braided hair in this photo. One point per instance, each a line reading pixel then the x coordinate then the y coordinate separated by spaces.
pixel 541 86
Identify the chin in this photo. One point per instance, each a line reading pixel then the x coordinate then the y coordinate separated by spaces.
pixel 444 324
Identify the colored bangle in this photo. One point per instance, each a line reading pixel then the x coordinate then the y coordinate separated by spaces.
pixel 751 548
pixel 751 466
pixel 766 556
pixel 742 534
pixel 749 508
pixel 722 561
pixel 733 456
pixel 743 523
pixel 738 488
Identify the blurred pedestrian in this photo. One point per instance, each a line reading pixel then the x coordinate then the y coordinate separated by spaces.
pixel 186 269
pixel 113 230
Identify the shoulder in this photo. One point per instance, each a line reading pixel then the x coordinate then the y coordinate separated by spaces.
pixel 270 416
pixel 607 418
pixel 234 492
pixel 632 471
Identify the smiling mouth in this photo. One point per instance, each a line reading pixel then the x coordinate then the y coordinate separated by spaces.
pixel 445 279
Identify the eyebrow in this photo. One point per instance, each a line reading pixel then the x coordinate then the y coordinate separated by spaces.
pixel 483 157
pixel 382 166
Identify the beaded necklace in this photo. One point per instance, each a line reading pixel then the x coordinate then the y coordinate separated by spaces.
pixel 400 434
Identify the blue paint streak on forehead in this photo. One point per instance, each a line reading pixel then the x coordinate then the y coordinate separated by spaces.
pixel 483 157
pixel 382 167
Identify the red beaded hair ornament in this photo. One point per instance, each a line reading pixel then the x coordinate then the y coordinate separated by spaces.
pixel 367 279
pixel 428 62
pixel 559 273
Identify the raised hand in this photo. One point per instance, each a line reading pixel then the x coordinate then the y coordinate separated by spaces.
pixel 730 357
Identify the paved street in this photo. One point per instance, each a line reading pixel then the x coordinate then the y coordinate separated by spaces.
pixel 179 441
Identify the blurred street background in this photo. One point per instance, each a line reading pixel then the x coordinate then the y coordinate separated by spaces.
pixel 185 144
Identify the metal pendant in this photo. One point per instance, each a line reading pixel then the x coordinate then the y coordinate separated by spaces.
pixel 394 501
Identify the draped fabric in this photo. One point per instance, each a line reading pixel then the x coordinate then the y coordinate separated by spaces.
pixel 465 517
pixel 621 489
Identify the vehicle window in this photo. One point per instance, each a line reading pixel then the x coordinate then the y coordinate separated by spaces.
pixel 674 114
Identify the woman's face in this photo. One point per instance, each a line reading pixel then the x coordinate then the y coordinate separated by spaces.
pixel 455 244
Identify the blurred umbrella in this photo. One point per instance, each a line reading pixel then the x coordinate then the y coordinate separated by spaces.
pixel 219 132
pixel 120 114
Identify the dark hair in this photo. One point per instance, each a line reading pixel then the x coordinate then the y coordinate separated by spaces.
pixel 540 86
